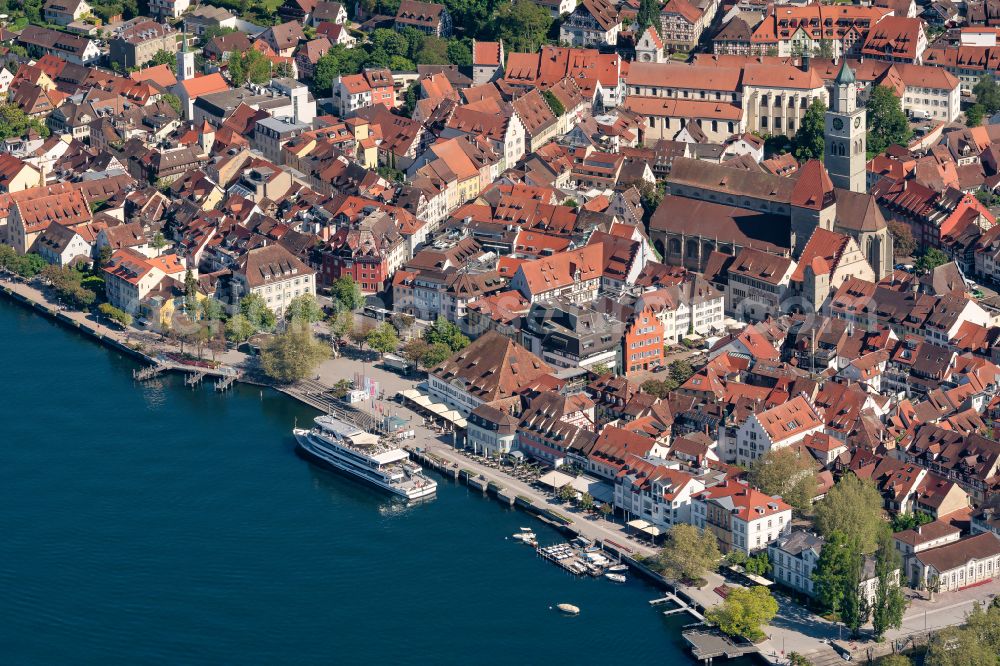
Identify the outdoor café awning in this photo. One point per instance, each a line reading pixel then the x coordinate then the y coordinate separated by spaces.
pixel 451 415
pixel 411 394
pixel 437 408
pixel 460 423
pixel 652 530
pixel 421 400
pixel 638 524
pixel 555 479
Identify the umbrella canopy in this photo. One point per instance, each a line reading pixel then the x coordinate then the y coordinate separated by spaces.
pixel 638 524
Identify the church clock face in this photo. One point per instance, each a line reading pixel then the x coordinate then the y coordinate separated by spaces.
pixel 857 122
pixel 838 124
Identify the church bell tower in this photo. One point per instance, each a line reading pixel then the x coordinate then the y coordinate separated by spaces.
pixel 845 139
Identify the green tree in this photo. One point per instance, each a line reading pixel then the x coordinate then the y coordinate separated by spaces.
pixel 410 97
pixel 557 107
pixel 659 388
pixel 688 553
pixel 649 15
pixel 210 309
pixel 606 510
pixel 744 612
pixel 346 294
pixel 910 521
pixel 444 332
pixel 383 338
pixel 306 308
pixel 650 196
pixel 887 124
pixel 436 354
pixel 889 603
pixel 566 493
pixel 459 52
pixel 835 571
pixel 854 507
pixel 809 139
pixel 987 94
pixel 955 646
pixel 414 350
pixel 116 315
pixel 341 323
pixel 293 354
pixel 930 260
pixel 759 564
pixel 254 308
pixel 522 25
pixel 433 52
pixel 162 57
pixel 15 123
pixel 974 115
pixel 249 66
pixel 239 329
pixel 586 502
pixel 788 473
pixel 680 371
pixel 158 243
pixel 190 289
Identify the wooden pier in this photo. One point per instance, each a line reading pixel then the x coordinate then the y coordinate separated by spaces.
pixel 226 383
pixel 194 379
pixel 147 373
pixel 680 606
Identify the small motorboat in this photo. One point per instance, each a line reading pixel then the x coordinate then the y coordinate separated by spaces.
pixel 526 537
pixel 614 577
pixel 568 609
pixel 618 568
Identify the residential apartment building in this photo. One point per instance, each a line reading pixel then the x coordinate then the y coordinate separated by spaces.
pixel 275 274
pixel 592 23
pixel 137 41
pixel 774 428
pixel 740 517
pixel 757 284
pixel 655 493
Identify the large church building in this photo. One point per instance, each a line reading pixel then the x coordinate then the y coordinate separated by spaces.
pixel 714 207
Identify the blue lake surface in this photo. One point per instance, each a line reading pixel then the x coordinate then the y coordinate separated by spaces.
pixel 156 524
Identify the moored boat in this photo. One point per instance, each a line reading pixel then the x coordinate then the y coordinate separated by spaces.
pixel 343 447
pixel 614 577
pixel 568 609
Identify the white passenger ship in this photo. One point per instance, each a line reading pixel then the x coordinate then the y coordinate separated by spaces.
pixel 344 447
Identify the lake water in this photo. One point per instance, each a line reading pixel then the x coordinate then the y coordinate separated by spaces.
pixel 156 524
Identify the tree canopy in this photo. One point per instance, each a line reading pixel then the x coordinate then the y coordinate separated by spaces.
pixel 383 338
pixel 259 316
pixel 853 507
pixel 522 25
pixel 306 308
pixel 987 93
pixel 887 124
pixel 444 332
pixel 809 140
pixel 293 354
pixel 930 260
pixel 346 294
pixel 787 473
pixel 744 612
pixel 250 65
pixel 889 603
pixel 16 123
pixel 688 553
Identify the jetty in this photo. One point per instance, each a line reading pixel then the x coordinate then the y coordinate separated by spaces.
pixel 226 383
pixel 144 374
pixel 708 643
pixel 194 378
pixel 679 606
